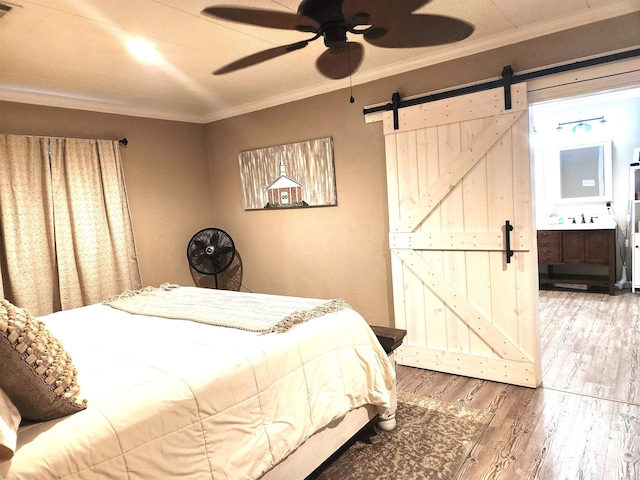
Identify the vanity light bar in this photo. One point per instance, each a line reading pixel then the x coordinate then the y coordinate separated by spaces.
pixel 582 123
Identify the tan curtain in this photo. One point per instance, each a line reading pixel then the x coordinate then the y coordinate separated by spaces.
pixel 90 229
pixel 27 247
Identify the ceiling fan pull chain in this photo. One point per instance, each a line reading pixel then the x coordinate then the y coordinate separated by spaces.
pixel 351 99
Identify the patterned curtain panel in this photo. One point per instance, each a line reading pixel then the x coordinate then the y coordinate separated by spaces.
pixel 27 246
pixel 89 227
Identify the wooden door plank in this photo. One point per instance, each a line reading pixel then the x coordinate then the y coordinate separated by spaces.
pixel 527 306
pixel 522 174
pixel 433 326
pixel 476 222
pixel 500 197
pixel 397 269
pixel 407 170
pixel 453 262
pixel 526 265
pixel 408 194
pixel 437 316
pixel 393 195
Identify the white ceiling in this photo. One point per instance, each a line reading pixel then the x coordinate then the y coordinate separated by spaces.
pixel 72 53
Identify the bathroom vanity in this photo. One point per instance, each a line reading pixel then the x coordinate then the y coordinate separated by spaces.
pixel 576 229
pixel 579 246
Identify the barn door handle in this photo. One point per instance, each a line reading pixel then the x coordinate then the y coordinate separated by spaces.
pixel 508 228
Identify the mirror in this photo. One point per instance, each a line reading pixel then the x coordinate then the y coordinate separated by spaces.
pixel 579 173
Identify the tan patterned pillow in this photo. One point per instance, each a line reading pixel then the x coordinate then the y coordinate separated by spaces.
pixel 36 373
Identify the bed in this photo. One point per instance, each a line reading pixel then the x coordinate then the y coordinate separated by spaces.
pixel 193 399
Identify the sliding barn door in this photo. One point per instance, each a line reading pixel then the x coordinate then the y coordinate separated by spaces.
pixel 460 214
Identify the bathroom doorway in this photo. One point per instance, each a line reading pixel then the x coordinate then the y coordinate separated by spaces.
pixel 588 338
pixel 611 118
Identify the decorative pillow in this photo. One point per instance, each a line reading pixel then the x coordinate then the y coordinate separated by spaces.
pixel 9 423
pixel 37 374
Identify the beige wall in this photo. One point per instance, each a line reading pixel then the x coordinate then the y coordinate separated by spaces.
pixel 166 172
pixel 342 251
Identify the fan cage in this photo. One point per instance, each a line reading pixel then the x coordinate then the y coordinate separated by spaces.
pixel 210 251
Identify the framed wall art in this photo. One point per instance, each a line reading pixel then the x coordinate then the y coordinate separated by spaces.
pixel 289 176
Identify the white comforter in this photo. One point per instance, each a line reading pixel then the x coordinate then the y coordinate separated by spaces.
pixel 174 399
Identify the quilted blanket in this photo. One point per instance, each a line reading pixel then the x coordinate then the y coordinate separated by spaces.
pixel 180 399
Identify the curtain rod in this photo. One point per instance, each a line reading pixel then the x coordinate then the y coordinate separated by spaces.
pixel 396 103
pixel 122 141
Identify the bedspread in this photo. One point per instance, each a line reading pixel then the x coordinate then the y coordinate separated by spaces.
pixel 177 399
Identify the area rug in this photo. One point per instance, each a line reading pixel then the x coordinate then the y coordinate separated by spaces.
pixel 431 441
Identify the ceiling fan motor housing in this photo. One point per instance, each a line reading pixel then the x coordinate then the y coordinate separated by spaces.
pixel 335 36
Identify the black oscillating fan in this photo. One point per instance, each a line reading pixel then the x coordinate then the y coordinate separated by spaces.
pixel 211 251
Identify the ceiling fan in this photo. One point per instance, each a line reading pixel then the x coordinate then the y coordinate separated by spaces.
pixel 382 23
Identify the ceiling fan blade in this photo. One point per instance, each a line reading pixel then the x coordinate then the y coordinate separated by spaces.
pixel 419 31
pixel 340 62
pixel 260 57
pixel 322 10
pixel 381 9
pixel 263 18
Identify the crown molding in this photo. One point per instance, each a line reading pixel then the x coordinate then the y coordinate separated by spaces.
pixel 92 105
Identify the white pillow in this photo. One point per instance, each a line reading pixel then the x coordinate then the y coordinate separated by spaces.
pixel 9 422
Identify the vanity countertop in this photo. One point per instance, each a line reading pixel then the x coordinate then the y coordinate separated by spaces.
pixel 603 222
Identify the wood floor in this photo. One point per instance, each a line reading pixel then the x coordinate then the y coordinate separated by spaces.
pixel 584 422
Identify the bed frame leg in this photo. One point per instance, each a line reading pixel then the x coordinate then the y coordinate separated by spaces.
pixel 387 421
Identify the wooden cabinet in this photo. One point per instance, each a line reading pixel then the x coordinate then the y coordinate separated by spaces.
pixel 588 247
pixel 549 247
pixel 581 248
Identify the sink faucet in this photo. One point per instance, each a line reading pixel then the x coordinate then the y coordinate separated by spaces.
pixel 583 220
pixel 591 221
